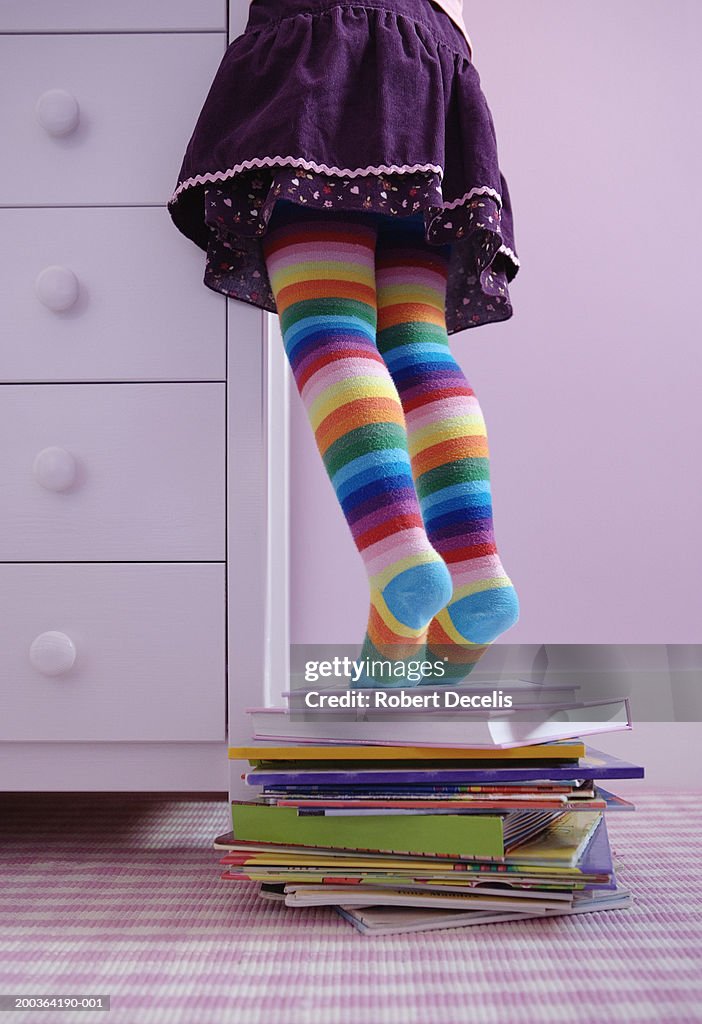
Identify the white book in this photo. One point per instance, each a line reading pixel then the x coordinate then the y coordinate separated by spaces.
pixel 526 901
pixel 503 729
pixel 402 920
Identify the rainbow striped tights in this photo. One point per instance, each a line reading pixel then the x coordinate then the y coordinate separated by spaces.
pixel 400 431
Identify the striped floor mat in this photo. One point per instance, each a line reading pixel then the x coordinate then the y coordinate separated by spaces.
pixel 120 895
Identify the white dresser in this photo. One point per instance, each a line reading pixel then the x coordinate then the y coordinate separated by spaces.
pixel 136 460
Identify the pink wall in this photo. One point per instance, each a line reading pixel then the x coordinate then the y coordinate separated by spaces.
pixel 590 392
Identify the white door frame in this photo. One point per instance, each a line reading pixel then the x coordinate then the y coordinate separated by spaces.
pixel 258 503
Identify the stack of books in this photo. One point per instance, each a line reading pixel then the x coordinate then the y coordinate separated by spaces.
pixel 411 838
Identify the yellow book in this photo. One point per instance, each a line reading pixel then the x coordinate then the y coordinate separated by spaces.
pixel 569 750
pixel 562 843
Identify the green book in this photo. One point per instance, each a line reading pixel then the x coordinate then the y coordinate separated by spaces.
pixel 460 835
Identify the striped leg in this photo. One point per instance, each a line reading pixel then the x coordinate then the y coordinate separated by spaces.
pixel 322 273
pixel 447 443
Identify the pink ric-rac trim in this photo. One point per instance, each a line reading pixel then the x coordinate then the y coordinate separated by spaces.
pixel 346 172
pixel 508 252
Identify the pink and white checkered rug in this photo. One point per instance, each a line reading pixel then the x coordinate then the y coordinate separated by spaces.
pixel 121 896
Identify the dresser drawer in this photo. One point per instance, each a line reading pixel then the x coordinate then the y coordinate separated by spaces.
pixel 138 97
pixel 112 652
pixel 103 472
pixel 105 294
pixel 113 15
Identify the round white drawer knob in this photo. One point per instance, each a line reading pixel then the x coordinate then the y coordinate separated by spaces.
pixel 52 653
pixel 57 288
pixel 55 469
pixel 58 112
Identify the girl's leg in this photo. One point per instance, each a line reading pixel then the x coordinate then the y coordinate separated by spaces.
pixel 322 273
pixel 447 441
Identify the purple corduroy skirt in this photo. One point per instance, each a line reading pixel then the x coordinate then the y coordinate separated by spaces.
pixel 372 105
